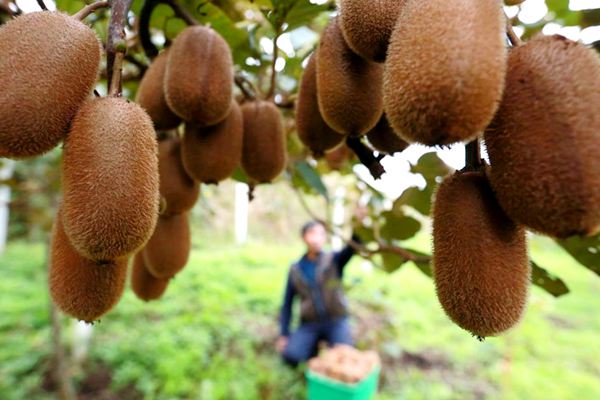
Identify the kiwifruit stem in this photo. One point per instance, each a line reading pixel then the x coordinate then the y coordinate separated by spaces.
pixel 42 5
pixel 473 161
pixel 144 24
pixel 90 8
pixel 365 155
pixel 241 83
pixel 512 36
pixel 116 44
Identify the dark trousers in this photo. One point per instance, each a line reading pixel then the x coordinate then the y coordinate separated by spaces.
pixel 302 344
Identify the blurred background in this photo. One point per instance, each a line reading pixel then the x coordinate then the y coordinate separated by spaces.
pixel 212 335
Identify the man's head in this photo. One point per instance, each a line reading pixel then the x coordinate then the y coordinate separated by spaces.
pixel 314 235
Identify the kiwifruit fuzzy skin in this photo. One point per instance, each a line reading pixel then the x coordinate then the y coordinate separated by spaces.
pixel 368 25
pixel 80 287
pixel 445 70
pixel 211 154
pixel 312 129
pixel 383 138
pixel 264 145
pixel 167 251
pixel 199 76
pixel 110 179
pixel 49 63
pixel 337 158
pixel 177 188
pixel 145 286
pixel 151 94
pixel 543 143
pixel 480 264
pixel 349 87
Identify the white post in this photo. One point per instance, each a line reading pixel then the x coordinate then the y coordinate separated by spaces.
pixel 6 172
pixel 241 212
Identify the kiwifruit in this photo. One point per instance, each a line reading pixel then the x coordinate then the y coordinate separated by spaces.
pixel 176 186
pixel 543 142
pixel 211 154
pixel 367 26
pixel 80 287
pixel 480 264
pixel 167 251
pixel 110 179
pixel 145 286
pixel 199 76
pixel 313 131
pixel 349 87
pixel 151 94
pixel 383 138
pixel 443 82
pixel 49 63
pixel 337 158
pixel 264 149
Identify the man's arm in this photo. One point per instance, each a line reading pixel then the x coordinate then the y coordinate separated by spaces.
pixel 342 257
pixel 286 308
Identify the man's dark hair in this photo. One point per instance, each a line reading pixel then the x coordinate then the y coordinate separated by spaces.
pixel 309 225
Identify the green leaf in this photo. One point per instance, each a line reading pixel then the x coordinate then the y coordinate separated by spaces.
pixel 310 176
pixel 391 261
pixel 431 167
pixel 303 13
pixel 424 266
pixel 548 282
pixel 239 175
pixel 418 199
pixel 398 227
pixel 585 250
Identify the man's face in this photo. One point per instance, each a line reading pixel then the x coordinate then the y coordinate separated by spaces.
pixel 315 238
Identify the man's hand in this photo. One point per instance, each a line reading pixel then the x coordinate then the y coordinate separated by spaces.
pixel 281 343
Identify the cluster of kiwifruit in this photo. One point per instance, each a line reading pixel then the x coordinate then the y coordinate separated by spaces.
pixel 344 363
pixel 110 168
pixel 447 75
pixel 191 81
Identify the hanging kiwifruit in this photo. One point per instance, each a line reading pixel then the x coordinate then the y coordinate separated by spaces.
pixel 339 157
pixel 313 131
pixel 145 286
pixel 543 143
pixel 383 138
pixel 349 88
pixel 367 26
pixel 177 188
pixel 211 154
pixel 80 287
pixel 264 149
pixel 199 76
pixel 49 63
pixel 480 264
pixel 110 179
pixel 167 251
pixel 445 70
pixel 151 94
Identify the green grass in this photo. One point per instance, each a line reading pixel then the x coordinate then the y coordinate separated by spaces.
pixel 211 336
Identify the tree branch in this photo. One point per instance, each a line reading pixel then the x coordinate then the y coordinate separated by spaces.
pixel 512 36
pixel 90 8
pixel 116 46
pixel 144 22
pixel 366 156
pixel 241 82
pixel 273 85
pixel 42 5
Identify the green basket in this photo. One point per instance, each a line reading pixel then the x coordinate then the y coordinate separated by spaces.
pixel 323 388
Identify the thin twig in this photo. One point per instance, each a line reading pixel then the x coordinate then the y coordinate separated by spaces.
pixel 42 5
pixel 116 45
pixel 512 36
pixel 241 83
pixel 90 8
pixel 271 91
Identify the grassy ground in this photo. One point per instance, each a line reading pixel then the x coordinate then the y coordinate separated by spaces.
pixel 211 336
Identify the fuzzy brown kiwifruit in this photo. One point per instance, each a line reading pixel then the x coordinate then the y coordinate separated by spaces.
pixel 339 157
pixel 110 179
pixel 349 87
pixel 480 264
pixel 49 63
pixel 151 94
pixel 383 138
pixel 177 188
pixel 199 76
pixel 313 131
pixel 264 149
pixel 167 251
pixel 443 82
pixel 80 287
pixel 368 25
pixel 543 142
pixel 211 154
pixel 145 286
